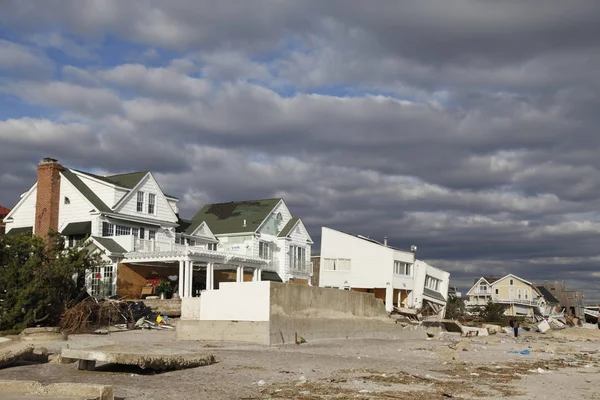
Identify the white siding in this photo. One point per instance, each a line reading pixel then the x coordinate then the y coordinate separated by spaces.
pixel 298 236
pixel 163 210
pixel 269 226
pixel 78 209
pixel 23 214
pixel 173 204
pixel 104 191
pixel 422 269
pixel 119 194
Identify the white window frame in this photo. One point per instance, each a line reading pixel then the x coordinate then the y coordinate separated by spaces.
pixel 151 203
pixel 297 258
pixel 265 250
pixel 402 268
pixel 337 264
pixel 101 281
pixel 151 234
pixel 140 201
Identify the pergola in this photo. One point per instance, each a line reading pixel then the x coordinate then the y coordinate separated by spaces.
pixel 190 257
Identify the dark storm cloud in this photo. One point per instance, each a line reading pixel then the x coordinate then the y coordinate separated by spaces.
pixel 468 128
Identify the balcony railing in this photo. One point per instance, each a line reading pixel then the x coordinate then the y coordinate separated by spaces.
pixel 474 301
pixel 302 267
pixel 143 245
pixel 480 292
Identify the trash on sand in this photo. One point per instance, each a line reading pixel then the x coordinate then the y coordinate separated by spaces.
pixel 540 370
pixel 524 352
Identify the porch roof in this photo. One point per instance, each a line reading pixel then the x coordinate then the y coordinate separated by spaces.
pixel 177 254
pixel 432 295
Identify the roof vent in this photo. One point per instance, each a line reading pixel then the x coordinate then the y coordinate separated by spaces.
pixel 385 241
pixel 244 224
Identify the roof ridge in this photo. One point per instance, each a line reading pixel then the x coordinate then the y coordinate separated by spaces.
pixel 244 201
pixel 127 173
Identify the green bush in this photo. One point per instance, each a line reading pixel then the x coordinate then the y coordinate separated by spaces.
pixel 493 312
pixel 39 280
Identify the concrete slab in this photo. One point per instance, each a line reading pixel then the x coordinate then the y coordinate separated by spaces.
pixel 14 352
pixel 35 390
pixel 44 334
pixel 143 357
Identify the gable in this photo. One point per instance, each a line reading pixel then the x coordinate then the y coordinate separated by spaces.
pixel 504 280
pixel 85 190
pixel 23 213
pixel 148 185
pixel 236 217
pixel 476 285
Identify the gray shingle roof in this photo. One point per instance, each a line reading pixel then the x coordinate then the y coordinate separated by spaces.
pixel 549 297
pixel 77 228
pixel 110 245
pixel 433 294
pixel 287 229
pixel 19 231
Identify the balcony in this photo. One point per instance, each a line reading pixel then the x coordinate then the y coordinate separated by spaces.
pixel 301 267
pixel 481 292
pixel 146 245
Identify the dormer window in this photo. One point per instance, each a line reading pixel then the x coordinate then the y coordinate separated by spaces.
pixel 140 202
pixel 151 203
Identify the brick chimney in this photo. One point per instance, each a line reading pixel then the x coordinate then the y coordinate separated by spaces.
pixel 48 197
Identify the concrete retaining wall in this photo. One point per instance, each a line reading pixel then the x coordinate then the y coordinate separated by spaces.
pixel 292 312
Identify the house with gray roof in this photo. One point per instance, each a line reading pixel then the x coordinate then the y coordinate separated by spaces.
pixel 136 227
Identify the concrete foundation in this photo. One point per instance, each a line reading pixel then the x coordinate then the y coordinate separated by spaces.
pixel 143 357
pixel 40 335
pixel 9 354
pixel 289 313
pixel 35 390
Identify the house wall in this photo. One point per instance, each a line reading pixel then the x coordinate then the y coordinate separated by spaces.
pixel 504 289
pixel 372 265
pixel 23 215
pixel 105 191
pixel 132 278
pixel 299 237
pixel 237 244
pixel 78 209
pixel 163 210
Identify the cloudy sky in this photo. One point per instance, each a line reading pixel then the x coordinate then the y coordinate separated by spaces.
pixel 468 128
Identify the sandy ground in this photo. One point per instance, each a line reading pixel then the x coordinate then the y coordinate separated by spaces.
pixel 559 366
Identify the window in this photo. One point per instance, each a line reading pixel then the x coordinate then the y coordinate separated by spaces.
pixel 264 250
pixel 108 229
pixel 336 264
pixel 298 258
pixel 101 281
pixel 526 294
pixel 67 200
pixel 432 283
pixel 402 268
pixel 135 232
pixel 511 282
pixel 519 294
pixel 142 230
pixel 151 234
pixel 151 203
pixel 122 230
pixel 483 288
pixel 140 202
pixel 496 291
pixel 75 240
pixel 213 246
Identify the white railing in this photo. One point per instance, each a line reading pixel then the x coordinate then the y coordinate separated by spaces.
pixel 299 266
pixel 482 302
pixel 147 245
pixel 479 292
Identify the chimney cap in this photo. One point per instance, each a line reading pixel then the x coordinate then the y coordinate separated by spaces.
pixel 49 160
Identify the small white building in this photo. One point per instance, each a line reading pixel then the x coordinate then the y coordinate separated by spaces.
pixel 361 264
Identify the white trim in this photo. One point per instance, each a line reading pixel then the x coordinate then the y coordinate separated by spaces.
pixel 132 191
pixel 271 212
pixel 147 221
pixel 25 196
pixel 514 277
pixel 210 236
pixel 477 284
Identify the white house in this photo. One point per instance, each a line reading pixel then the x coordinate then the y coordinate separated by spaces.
pixel 137 228
pixel 361 264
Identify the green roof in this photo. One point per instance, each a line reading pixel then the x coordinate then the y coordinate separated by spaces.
pixel 224 218
pixel 77 228
pixel 109 244
pixel 19 231
pixel 85 191
pixel 287 229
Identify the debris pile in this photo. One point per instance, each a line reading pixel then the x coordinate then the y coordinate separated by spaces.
pixel 90 314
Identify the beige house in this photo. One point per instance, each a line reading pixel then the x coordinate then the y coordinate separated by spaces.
pixel 520 297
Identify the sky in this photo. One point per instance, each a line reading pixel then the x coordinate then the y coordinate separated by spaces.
pixel 467 128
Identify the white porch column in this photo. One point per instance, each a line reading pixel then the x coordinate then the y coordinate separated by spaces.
pixel 254 278
pixel 389 298
pixel 190 278
pixel 240 274
pixel 210 272
pixel 180 282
